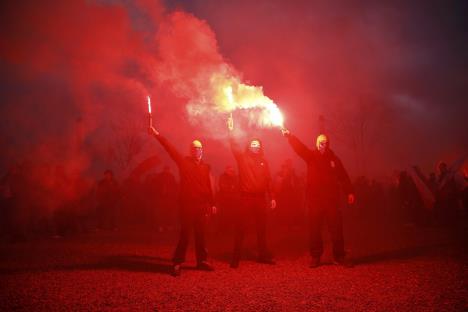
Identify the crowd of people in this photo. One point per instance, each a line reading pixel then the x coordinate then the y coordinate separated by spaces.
pixel 47 200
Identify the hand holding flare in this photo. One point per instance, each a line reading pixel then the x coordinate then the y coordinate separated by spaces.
pixel 149 112
pixel 230 122
pixel 151 129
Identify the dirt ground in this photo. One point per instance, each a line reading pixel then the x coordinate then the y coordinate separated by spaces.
pixel 398 268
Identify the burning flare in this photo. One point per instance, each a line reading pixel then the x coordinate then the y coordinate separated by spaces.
pixel 200 74
pixel 150 117
pixel 231 94
pixel 149 104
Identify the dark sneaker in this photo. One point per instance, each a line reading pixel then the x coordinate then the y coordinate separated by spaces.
pixel 344 262
pixel 176 270
pixel 314 262
pixel 266 261
pixel 205 266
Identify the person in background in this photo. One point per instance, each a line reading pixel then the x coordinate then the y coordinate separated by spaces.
pixel 107 194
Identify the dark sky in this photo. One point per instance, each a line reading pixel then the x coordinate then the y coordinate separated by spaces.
pixel 387 77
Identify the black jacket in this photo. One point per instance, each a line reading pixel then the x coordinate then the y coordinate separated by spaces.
pixel 195 182
pixel 325 172
pixel 254 172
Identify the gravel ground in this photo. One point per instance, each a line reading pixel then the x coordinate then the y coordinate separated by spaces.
pixel 398 269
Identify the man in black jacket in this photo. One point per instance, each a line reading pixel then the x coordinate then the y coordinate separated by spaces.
pixel 255 188
pixel 196 199
pixel 325 176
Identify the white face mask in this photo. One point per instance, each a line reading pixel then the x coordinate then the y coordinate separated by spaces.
pixel 254 147
pixel 322 143
pixel 322 146
pixel 197 153
pixel 196 150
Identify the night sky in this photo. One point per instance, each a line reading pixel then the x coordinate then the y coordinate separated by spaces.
pixel 386 80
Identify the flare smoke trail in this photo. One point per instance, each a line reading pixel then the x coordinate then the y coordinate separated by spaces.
pixel 191 63
pixel 75 74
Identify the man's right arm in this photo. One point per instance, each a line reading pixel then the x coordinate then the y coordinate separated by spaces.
pixel 235 148
pixel 170 149
pixel 300 148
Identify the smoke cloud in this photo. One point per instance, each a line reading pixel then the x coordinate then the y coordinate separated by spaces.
pixel 374 77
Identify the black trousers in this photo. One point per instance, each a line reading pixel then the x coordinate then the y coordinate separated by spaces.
pixel 326 211
pixel 251 207
pixel 192 218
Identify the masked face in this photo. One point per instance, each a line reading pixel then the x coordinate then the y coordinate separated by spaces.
pixel 255 146
pixel 197 153
pixel 322 143
pixel 196 150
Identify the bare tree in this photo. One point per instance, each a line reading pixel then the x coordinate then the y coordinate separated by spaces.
pixel 126 143
pixel 359 126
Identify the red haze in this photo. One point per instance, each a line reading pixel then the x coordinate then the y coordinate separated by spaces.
pixel 75 75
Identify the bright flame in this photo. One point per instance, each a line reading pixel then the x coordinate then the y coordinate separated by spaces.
pixel 149 104
pixel 231 94
pixel 275 115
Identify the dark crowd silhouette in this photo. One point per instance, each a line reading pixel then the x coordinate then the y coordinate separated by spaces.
pixel 41 200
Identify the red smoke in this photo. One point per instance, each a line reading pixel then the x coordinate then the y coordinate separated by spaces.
pixel 94 64
pixel 76 75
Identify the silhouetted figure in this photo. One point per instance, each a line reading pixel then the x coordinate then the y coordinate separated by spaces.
pixel 287 190
pixel 108 194
pixel 410 200
pixel 363 192
pixel 133 202
pixel 166 193
pixel 196 200
pixel 325 176
pixel 432 182
pixel 10 186
pixel 446 195
pixel 465 196
pixel 377 197
pixel 228 197
pixel 152 210
pixel 255 187
pixel 23 191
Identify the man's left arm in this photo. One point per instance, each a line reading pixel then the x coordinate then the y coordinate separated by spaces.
pixel 345 182
pixel 269 189
pixel 212 191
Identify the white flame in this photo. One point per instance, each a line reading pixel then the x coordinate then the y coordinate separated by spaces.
pixel 275 115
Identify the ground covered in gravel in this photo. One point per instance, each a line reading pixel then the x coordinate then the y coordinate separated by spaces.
pixel 398 268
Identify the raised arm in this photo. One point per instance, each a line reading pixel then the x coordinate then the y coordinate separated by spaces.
pixel 345 181
pixel 170 149
pixel 301 150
